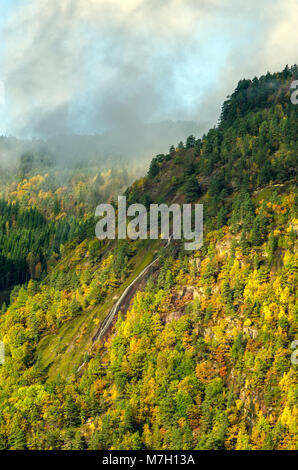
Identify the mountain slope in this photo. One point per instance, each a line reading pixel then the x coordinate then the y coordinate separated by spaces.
pixel 202 358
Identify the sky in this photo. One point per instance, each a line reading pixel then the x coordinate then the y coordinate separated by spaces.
pixel 91 66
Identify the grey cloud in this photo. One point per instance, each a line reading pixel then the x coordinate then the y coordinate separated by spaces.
pixel 87 66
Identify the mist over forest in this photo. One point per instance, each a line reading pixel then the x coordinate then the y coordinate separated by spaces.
pixel 121 146
pixel 125 80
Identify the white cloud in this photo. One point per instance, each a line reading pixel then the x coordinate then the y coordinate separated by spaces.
pixel 86 65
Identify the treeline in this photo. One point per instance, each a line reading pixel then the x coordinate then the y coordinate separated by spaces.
pixel 202 358
pixel 28 241
pixel 254 144
pixel 201 361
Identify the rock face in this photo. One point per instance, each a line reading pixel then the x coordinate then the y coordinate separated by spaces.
pixel 123 302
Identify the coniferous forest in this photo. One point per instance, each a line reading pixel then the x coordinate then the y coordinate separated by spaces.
pixel 200 356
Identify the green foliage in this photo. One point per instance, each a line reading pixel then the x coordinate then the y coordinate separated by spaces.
pixel 200 356
pixel 192 189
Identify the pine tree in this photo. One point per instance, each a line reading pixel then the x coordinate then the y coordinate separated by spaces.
pixel 153 168
pixel 72 416
pixel 192 189
pixel 190 142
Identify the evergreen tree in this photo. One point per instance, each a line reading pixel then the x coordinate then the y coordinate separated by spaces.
pixel 192 189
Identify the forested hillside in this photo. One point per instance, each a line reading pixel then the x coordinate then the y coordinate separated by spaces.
pixel 201 359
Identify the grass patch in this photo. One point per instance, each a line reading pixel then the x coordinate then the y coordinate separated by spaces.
pixel 63 352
